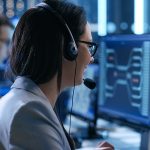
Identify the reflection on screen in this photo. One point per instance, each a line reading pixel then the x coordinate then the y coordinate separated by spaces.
pixel 124 78
pixel 84 98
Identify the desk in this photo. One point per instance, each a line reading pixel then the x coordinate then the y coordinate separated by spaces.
pixel 122 137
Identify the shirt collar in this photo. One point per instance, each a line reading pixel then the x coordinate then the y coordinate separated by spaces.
pixel 27 84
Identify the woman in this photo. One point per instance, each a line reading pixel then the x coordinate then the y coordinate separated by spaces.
pixel 44 66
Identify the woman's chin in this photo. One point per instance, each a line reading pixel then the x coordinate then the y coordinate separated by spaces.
pixel 79 82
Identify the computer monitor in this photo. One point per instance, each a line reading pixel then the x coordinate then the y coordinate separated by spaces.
pixel 124 89
pixel 5 83
pixel 85 100
pixel 14 21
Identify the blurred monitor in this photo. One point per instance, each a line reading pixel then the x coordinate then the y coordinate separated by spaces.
pixel 124 89
pixel 5 47
pixel 14 21
pixel 4 82
pixel 85 100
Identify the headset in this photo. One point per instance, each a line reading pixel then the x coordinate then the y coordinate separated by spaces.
pixel 71 52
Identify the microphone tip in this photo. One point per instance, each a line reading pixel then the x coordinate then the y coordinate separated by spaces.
pixel 89 83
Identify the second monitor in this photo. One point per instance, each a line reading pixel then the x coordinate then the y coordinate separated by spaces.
pixel 124 91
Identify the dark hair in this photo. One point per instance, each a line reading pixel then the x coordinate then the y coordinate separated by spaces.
pixel 5 21
pixel 40 39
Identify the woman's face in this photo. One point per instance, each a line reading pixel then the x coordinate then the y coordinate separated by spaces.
pixel 83 59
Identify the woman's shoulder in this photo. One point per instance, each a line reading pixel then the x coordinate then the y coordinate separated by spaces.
pixel 33 126
pixel 15 100
pixel 22 107
pixel 36 121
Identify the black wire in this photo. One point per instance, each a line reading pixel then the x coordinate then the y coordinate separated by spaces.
pixel 59 101
pixel 57 111
pixel 70 140
pixel 72 95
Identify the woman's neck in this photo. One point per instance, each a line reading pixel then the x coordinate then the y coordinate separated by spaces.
pixel 50 90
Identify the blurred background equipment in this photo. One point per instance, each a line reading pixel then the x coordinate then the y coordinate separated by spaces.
pixel 6 29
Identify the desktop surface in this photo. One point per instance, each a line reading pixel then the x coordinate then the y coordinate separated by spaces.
pixel 122 137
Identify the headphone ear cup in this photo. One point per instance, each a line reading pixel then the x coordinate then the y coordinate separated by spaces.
pixel 71 52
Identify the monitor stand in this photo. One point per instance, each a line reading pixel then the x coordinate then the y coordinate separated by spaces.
pixel 92 132
pixel 145 140
pixel 89 132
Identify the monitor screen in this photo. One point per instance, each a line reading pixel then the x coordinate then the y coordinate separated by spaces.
pixel 124 89
pixel 84 99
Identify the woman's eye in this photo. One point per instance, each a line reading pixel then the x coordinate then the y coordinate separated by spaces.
pixel 90 46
